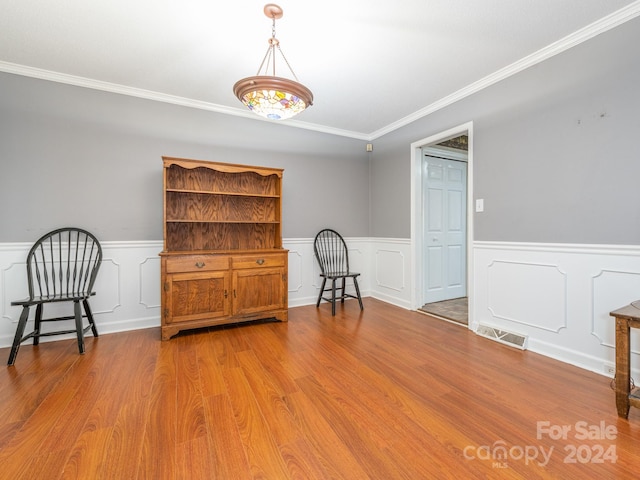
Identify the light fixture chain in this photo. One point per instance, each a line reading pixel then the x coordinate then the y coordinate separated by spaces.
pixel 276 42
pixel 287 62
pixel 266 59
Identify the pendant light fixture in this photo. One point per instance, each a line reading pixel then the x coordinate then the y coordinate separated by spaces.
pixel 266 94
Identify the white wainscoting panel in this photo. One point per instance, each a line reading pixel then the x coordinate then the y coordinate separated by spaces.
pixel 128 289
pixel 304 272
pixel 520 279
pixel 611 288
pixel 383 264
pixel 301 267
pixel 391 268
pixel 149 281
pixel 560 295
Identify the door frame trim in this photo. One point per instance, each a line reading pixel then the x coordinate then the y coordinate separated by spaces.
pixel 417 242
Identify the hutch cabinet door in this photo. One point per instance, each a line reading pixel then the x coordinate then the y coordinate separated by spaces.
pixel 195 296
pixel 258 290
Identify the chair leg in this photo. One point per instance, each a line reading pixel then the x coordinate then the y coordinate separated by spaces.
pixel 38 322
pixel 22 323
pixel 355 284
pixel 324 282
pixel 333 297
pixel 79 330
pixel 87 311
pixel 344 285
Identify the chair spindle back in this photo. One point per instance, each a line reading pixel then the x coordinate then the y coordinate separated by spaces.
pixel 331 252
pixel 64 262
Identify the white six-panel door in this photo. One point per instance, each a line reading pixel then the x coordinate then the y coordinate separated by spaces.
pixel 444 206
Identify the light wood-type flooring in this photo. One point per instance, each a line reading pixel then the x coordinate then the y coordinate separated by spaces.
pixel 381 394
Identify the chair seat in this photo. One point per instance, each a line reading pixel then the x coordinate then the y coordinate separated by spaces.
pixel 52 299
pixel 339 274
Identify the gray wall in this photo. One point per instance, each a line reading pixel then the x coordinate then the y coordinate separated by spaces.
pixel 556 157
pixel 556 150
pixel 76 156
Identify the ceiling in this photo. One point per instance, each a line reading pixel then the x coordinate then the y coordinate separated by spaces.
pixel 372 66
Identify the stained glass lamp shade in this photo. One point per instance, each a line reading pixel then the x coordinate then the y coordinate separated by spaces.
pixel 270 96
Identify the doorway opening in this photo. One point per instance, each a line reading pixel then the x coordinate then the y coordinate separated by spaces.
pixel 442 229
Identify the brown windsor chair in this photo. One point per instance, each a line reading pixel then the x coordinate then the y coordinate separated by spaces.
pixel 331 252
pixel 61 267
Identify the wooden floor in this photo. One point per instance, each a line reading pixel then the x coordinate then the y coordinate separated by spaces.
pixel 383 394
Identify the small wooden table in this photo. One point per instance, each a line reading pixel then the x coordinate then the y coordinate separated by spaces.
pixel 626 318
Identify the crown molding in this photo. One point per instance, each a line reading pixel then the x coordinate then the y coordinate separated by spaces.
pixel 604 24
pixel 84 82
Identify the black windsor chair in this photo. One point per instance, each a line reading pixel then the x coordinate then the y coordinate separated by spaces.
pixel 331 252
pixel 61 267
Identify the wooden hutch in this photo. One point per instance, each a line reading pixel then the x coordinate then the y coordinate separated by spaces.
pixel 223 260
